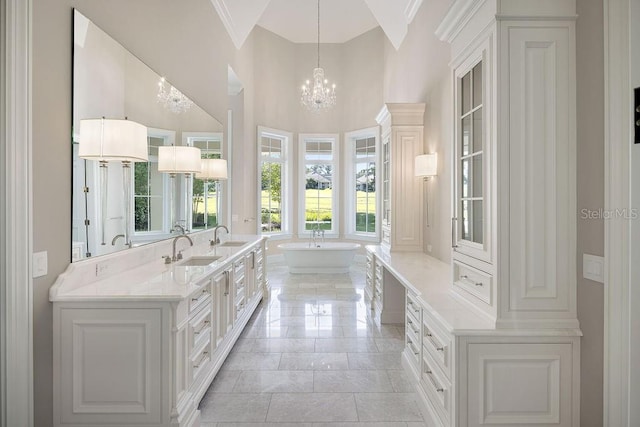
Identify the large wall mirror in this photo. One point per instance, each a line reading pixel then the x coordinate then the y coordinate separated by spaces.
pixel 118 205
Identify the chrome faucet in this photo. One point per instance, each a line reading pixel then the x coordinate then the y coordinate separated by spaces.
pixel 115 239
pixel 175 258
pixel 216 239
pixel 178 227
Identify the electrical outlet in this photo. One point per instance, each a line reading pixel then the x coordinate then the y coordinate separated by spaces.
pixel 234 218
pixel 39 264
pixel 429 248
pixel 593 267
pixel 102 269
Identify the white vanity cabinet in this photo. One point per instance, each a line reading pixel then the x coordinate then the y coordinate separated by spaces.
pixel 143 346
pixel 466 371
pixel 402 131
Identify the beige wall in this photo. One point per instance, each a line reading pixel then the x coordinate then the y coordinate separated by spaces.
pixel 590 178
pixel 419 72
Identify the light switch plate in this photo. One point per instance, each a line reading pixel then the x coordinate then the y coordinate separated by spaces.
pixel 593 267
pixel 39 264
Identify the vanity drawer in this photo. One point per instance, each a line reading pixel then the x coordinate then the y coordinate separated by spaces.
pixel 413 307
pixel 437 387
pixel 199 361
pixel 200 297
pixel 238 269
pixel 473 281
pixel 413 325
pixel 437 344
pixel 413 350
pixel 200 329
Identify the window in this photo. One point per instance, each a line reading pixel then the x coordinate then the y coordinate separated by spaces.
pixel 318 184
pixel 470 156
pixel 206 196
pixel 273 181
pixel 361 183
pixel 150 201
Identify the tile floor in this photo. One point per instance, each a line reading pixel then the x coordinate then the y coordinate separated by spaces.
pixel 312 356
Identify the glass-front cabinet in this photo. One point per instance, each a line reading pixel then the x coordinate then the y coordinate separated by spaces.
pixel 386 188
pixel 470 223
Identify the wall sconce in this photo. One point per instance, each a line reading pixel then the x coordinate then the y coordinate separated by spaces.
pixel 107 140
pixel 213 170
pixel 426 166
pixel 179 159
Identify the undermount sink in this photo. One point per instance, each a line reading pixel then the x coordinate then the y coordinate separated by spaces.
pixel 233 243
pixel 198 261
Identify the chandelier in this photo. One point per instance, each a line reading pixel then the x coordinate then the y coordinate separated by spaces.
pixel 173 99
pixel 320 96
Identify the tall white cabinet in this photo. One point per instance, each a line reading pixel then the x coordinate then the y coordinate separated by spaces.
pixel 513 227
pixel 402 140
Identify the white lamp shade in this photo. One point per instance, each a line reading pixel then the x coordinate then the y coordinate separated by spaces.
pixel 426 165
pixel 179 159
pixel 215 169
pixel 113 139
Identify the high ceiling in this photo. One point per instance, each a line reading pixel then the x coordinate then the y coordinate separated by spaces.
pixel 296 20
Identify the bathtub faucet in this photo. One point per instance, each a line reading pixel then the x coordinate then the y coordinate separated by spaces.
pixel 317 233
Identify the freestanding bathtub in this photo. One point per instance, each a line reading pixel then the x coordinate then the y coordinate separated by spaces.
pixel 331 257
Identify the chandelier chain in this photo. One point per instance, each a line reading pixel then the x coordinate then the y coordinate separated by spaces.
pixel 318 33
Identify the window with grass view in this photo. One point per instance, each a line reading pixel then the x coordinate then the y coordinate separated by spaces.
pixel 319 184
pixel 148 192
pixel 272 166
pixel 206 195
pixel 364 191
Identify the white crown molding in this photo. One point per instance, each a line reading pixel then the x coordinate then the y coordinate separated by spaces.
pixel 412 8
pixel 16 207
pixel 227 20
pixel 459 13
pixel 402 114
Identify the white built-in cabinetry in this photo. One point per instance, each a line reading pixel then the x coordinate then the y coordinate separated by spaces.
pixel 493 338
pixel 141 347
pixel 402 140
pixel 513 225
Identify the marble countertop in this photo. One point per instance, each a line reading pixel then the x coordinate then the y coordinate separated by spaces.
pixel 431 280
pixel 145 281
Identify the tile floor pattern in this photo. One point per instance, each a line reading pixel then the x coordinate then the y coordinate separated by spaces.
pixel 312 356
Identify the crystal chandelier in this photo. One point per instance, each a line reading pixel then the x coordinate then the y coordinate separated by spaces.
pixel 320 96
pixel 173 99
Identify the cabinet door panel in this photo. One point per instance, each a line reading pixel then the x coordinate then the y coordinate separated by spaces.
pixel 540 373
pixel 110 369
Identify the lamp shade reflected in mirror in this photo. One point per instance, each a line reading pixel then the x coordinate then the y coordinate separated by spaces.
pixel 113 140
pixel 213 169
pixel 178 159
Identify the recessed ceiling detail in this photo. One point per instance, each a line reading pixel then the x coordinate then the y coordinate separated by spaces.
pixel 295 20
